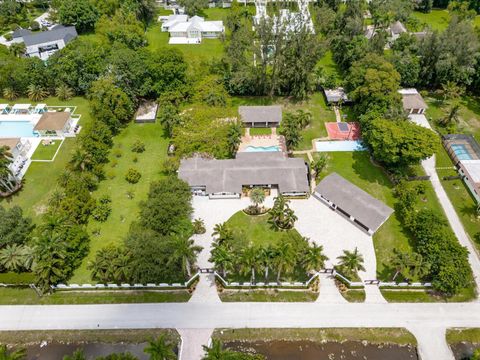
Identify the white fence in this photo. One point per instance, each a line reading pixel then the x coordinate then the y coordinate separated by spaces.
pixel 289 285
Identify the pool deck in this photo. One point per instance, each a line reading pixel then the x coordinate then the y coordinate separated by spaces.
pixel 264 141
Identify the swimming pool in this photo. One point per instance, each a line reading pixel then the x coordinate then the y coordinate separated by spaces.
pixel 15 129
pixel 262 148
pixel 461 152
pixel 347 145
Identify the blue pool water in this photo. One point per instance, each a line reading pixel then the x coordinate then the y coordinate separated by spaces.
pixel 461 151
pixel 16 129
pixel 262 148
pixel 347 145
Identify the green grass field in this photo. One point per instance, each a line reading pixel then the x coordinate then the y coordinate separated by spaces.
pixel 260 131
pixel 267 296
pixel 46 152
pixel 400 296
pixel 257 229
pixel 358 169
pixel 41 177
pixel 354 295
pixel 16 296
pixel 471 335
pixel 435 20
pixel 124 208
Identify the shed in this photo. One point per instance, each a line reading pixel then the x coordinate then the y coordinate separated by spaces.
pixel 146 112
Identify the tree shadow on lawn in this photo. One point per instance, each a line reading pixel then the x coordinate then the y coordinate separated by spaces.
pixel 367 171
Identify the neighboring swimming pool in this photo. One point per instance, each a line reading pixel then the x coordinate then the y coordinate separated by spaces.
pixel 461 152
pixel 16 129
pixel 262 148
pixel 347 145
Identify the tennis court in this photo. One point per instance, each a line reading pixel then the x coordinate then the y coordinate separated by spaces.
pixel 343 130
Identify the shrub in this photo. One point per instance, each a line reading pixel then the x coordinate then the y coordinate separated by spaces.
pixel 34 26
pixel 138 146
pixel 170 165
pixel 117 153
pixel 133 176
pixel 8 37
pixel 102 212
pixel 105 199
pixel 135 159
pixel 199 226
pixel 255 210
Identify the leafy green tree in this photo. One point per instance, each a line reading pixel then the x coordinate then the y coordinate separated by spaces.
pixel 193 7
pixel 133 176
pixel 399 143
pixel 14 227
pixel 351 260
pixel 17 49
pixel 169 118
pixel 109 104
pixel 122 28
pixel 5 354
pixel 185 252
pixel 318 164
pixel 160 349
pixel 82 14
pixel 373 83
pixel 290 129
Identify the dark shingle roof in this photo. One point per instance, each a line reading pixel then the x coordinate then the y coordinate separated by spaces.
pixel 60 32
pixel 358 203
pixel 21 33
pixel 261 114
pixel 255 168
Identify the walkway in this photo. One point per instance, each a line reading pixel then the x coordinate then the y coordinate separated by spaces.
pixel 193 341
pixel 329 293
pixel 431 319
pixel 457 227
pixel 206 290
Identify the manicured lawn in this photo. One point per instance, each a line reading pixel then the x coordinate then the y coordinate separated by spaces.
pixel 14 278
pixel 41 177
pixel 436 19
pixel 426 296
pixel 124 208
pixel 27 296
pixel 78 336
pixel 46 152
pixel 257 229
pixel 357 168
pixel 328 65
pixel 374 336
pixel 260 131
pixel 354 295
pixel 267 296
pixel 458 335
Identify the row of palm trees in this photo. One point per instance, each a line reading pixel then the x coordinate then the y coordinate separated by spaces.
pixel 292 253
pixel 9 182
pixel 37 93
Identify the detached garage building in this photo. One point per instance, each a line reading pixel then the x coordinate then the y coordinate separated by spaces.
pixel 352 202
pixel 261 116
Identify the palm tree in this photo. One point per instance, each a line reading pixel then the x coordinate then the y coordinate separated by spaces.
pixel 223 259
pixel 36 93
pixel 18 49
pixel 257 197
pixel 314 258
pixel 186 251
pixel 80 160
pixel 352 261
pixel 160 349
pixel 234 137
pixel 281 215
pixel 223 233
pixel 284 258
pixel 304 118
pixel 10 93
pixel 453 115
pixel 267 257
pixel 12 257
pixel 215 351
pixel 56 198
pixel 64 92
pixel 20 354
pixel 451 90
pixel 249 262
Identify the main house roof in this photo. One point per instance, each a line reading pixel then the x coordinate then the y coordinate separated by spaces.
pixel 52 121
pixel 412 99
pixel 290 174
pixel 261 114
pixel 65 33
pixel 353 200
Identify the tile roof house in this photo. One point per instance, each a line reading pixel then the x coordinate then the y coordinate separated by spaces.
pixel 261 116
pixel 226 178
pixel 413 102
pixel 352 202
pixel 194 30
pixel 44 43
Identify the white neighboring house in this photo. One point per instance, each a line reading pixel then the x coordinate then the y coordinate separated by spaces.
pixel 19 149
pixel 194 30
pixel 171 20
pixel 44 43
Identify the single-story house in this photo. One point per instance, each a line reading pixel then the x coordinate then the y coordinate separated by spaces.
pixel 171 20
pixel 413 102
pixel 334 96
pixel 227 178
pixel 465 154
pixel 194 30
pixel 353 203
pixel 44 43
pixel 17 35
pixel 54 124
pixel 396 29
pixel 261 116
pixel 147 112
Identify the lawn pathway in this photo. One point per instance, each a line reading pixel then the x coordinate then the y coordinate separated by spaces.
pixel 457 227
pixel 329 293
pixel 192 343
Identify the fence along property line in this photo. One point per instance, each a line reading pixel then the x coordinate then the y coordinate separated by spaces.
pixel 287 285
